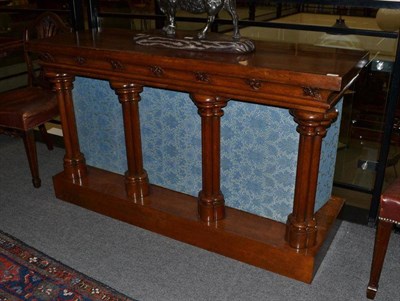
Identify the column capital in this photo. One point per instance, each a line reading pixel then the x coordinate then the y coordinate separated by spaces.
pixel 51 75
pixel 313 123
pixel 60 81
pixel 127 92
pixel 209 106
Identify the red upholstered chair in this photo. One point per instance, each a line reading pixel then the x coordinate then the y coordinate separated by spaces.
pixel 389 214
pixel 22 110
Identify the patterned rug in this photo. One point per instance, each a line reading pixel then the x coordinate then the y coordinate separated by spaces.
pixel 27 274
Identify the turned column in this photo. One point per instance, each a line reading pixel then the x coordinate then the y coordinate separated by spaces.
pixel 301 227
pixel 211 203
pixel 136 179
pixel 74 161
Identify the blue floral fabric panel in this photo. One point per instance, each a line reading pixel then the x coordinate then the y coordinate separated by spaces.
pixel 258 146
pixel 328 160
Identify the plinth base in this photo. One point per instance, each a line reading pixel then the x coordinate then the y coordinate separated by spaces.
pixel 242 236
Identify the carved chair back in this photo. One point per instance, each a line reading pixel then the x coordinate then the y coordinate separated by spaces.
pixel 45 25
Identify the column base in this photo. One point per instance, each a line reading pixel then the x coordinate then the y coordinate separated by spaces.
pixel 211 210
pixel 137 188
pixel 75 169
pixel 301 235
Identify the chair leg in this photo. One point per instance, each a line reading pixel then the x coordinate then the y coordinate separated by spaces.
pixel 46 137
pixel 30 148
pixel 381 243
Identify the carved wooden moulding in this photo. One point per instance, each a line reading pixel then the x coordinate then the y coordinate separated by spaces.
pixel 312 92
pixel 194 44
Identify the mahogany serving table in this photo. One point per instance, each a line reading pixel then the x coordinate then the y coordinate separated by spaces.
pixel 307 80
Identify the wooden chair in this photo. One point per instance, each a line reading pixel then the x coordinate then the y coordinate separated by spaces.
pixel 389 214
pixel 22 110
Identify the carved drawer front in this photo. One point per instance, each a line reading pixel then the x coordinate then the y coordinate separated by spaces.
pixel 250 88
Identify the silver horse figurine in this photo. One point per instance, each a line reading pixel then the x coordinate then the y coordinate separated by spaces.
pixel 211 7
